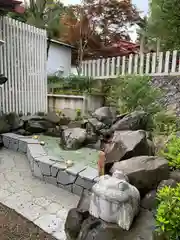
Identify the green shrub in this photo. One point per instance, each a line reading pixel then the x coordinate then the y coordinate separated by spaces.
pixel 78 84
pixel 172 152
pixel 165 123
pixel 134 92
pixel 78 114
pixel 168 212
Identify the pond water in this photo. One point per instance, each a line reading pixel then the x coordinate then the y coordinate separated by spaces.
pixel 87 156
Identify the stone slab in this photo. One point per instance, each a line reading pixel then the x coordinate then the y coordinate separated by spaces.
pixel 45 165
pixel 6 141
pixel 37 171
pixel 55 168
pixel 14 144
pixel 87 184
pixel 89 173
pixel 76 169
pixel 77 189
pixel 50 179
pixel 66 187
pixel 36 150
pixel 65 178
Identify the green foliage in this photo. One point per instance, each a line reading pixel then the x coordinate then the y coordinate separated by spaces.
pixel 134 92
pixel 164 23
pixel 165 123
pixel 172 152
pixel 78 114
pixel 168 212
pixel 73 84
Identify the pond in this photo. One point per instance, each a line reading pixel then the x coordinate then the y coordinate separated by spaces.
pixel 86 156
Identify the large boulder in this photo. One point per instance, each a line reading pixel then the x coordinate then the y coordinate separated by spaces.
pixel 96 229
pixel 95 124
pixel 133 121
pixel 114 200
pixel 126 144
pixel 105 115
pixel 53 117
pixel 4 125
pixel 14 121
pixel 144 172
pixel 73 223
pixel 73 138
pixel 35 127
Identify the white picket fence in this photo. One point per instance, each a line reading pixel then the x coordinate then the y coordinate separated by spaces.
pixel 23 62
pixel 150 64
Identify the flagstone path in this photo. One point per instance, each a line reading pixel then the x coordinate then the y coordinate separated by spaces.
pixel 42 203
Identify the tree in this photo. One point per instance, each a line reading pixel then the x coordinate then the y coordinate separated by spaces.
pixel 43 14
pixel 95 27
pixel 164 23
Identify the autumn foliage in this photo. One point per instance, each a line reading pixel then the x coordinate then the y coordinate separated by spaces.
pixel 102 25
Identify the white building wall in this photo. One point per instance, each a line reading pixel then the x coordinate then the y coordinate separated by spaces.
pixel 59 59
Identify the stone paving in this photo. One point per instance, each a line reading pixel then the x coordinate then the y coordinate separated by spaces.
pixel 44 204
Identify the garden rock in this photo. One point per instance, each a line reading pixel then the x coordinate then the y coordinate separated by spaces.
pixel 52 117
pixel 133 121
pixel 175 175
pixel 114 200
pixel 73 223
pixel 105 115
pixel 14 121
pixel 144 172
pixel 95 124
pixel 73 138
pixel 4 126
pixel 126 144
pixel 97 229
pixel 35 127
pixel 169 183
pixel 149 201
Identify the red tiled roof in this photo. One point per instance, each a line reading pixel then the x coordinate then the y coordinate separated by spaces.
pixel 12 5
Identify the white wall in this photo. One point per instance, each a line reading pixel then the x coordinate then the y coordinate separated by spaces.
pixel 59 58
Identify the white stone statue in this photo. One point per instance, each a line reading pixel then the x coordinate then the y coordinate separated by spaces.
pixel 114 200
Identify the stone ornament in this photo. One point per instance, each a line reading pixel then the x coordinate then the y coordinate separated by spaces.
pixel 114 200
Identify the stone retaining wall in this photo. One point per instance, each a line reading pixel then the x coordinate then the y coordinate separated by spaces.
pixel 171 86
pixel 74 179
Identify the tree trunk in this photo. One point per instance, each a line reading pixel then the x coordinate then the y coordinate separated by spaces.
pixel 48 45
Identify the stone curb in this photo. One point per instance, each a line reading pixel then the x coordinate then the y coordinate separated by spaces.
pixel 74 179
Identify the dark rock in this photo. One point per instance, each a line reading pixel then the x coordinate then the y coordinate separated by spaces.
pixel 53 132
pixel 29 118
pixel 4 126
pixel 84 201
pixel 96 229
pixel 175 175
pixel 151 148
pixel 144 172
pixel 95 124
pixel 23 132
pixel 52 117
pixel 149 202
pixel 119 117
pixel 14 121
pixel 105 115
pixel 74 124
pixel 169 183
pixel 73 138
pixel 74 221
pixel 126 144
pixel 35 127
pixel 64 120
pixel 133 121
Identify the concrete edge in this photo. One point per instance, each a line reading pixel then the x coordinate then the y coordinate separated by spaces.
pixel 74 179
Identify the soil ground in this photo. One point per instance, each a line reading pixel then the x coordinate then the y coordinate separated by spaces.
pixel 15 227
